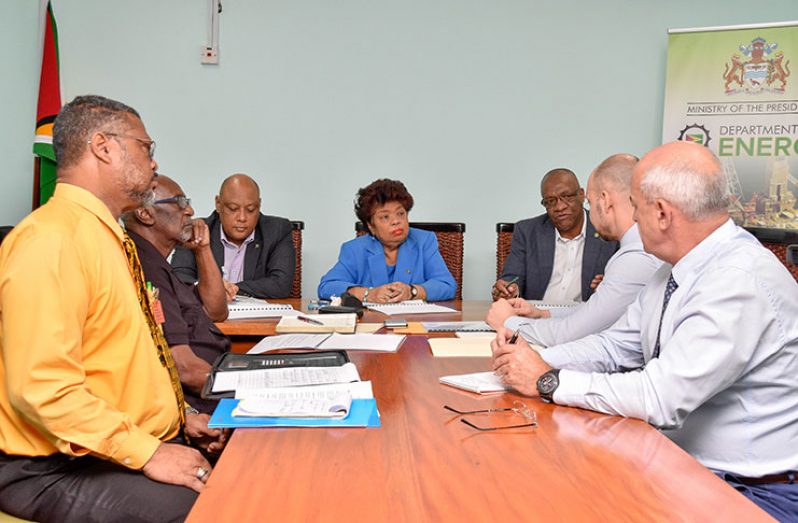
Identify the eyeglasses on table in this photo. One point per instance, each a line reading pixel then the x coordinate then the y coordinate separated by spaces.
pixel 518 408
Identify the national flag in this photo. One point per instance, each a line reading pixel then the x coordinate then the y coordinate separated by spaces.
pixel 48 107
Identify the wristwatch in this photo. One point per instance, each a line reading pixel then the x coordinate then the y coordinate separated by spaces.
pixel 413 291
pixel 547 384
pixel 191 410
pixel 366 293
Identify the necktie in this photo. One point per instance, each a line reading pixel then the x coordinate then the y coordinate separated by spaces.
pixel 669 289
pixel 164 354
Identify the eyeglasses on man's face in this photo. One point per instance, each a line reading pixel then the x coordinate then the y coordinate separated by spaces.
pixel 519 408
pixel 552 201
pixel 149 144
pixel 180 200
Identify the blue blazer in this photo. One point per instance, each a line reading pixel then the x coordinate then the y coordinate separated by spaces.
pixel 362 263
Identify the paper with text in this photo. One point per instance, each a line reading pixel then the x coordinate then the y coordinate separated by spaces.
pixel 284 377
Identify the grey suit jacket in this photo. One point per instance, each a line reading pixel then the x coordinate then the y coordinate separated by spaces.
pixel 531 256
pixel 269 262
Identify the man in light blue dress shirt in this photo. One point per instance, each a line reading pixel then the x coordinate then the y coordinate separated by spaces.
pixel 712 342
pixel 626 273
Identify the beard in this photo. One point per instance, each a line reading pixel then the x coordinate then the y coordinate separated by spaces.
pixel 137 181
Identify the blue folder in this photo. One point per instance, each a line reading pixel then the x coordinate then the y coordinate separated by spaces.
pixel 362 413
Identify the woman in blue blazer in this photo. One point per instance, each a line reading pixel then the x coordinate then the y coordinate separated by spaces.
pixel 393 262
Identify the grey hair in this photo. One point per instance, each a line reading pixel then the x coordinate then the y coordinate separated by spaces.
pixel 698 193
pixel 82 117
pixel 129 218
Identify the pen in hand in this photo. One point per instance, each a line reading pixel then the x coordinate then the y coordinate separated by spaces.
pixel 514 337
pixel 309 320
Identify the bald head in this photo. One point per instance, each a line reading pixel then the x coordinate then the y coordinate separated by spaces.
pixel 614 173
pixel 559 174
pixel 238 205
pixel 687 175
pixel 238 183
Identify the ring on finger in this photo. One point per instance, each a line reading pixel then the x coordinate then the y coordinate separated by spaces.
pixel 201 473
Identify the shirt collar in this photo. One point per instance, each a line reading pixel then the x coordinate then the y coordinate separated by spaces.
pixel 698 255
pixel 227 243
pixel 91 203
pixel 632 235
pixel 578 236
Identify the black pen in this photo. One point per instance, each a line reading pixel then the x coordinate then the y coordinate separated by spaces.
pixel 514 337
pixel 309 320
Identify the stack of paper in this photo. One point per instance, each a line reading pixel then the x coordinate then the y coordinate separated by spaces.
pixel 408 307
pixel 344 323
pixel 479 382
pixel 458 326
pixel 461 347
pixel 335 341
pixel 244 307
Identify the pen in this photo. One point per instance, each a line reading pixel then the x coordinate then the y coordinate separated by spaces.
pixel 515 337
pixel 511 281
pixel 309 320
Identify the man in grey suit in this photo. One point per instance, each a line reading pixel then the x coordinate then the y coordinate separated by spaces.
pixel 255 252
pixel 556 256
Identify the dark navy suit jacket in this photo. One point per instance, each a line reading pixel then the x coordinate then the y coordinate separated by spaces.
pixel 531 256
pixel 269 262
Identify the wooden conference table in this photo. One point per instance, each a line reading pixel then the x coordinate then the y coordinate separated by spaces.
pixel 423 464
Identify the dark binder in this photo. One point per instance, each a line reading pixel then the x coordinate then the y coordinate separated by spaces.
pixel 230 362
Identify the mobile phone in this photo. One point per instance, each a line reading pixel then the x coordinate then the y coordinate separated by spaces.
pixel 395 323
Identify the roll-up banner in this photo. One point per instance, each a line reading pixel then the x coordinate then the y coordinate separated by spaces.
pixel 731 89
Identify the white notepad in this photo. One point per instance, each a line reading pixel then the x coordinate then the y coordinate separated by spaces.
pixel 245 307
pixel 479 382
pixel 408 307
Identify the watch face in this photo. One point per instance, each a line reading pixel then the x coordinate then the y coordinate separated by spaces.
pixel 547 383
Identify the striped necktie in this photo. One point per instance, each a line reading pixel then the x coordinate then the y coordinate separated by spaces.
pixel 164 353
pixel 669 290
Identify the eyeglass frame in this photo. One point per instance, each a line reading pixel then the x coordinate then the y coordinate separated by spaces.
pixel 518 408
pixel 147 142
pixel 554 200
pixel 176 200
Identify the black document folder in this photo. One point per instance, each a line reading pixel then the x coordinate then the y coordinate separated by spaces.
pixel 236 362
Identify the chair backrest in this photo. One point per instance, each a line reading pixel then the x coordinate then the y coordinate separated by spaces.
pixel 4 230
pixel 504 237
pixel 780 250
pixel 296 236
pixel 450 242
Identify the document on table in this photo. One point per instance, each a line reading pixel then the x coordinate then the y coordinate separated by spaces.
pixel 284 377
pixel 543 305
pixel 288 341
pixel 359 390
pixel 457 326
pixel 297 402
pixel 475 347
pixel 376 342
pixel 408 307
pixel 479 382
pixel 245 307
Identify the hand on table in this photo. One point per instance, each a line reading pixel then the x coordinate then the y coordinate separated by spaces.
pixel 518 365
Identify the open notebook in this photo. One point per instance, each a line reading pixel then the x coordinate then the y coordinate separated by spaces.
pixel 407 307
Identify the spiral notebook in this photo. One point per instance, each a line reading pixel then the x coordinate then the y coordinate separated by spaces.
pixel 245 307
pixel 458 326
pixel 408 307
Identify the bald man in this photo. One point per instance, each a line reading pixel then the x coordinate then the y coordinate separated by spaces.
pixel 712 340
pixel 555 257
pixel 255 252
pixel 627 272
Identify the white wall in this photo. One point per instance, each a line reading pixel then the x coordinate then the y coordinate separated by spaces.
pixel 468 102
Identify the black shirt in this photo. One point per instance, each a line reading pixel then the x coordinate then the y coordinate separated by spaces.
pixel 186 321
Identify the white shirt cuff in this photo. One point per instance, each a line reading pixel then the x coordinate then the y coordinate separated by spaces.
pixel 573 387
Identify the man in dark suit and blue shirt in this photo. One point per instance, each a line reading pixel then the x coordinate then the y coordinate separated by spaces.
pixel 555 257
pixel 254 251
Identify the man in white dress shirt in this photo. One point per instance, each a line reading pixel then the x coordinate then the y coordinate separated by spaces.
pixel 713 340
pixel 627 272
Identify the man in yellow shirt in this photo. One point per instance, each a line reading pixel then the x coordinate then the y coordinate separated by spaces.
pixel 88 413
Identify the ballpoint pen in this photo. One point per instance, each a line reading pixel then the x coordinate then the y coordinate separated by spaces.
pixel 514 338
pixel 309 320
